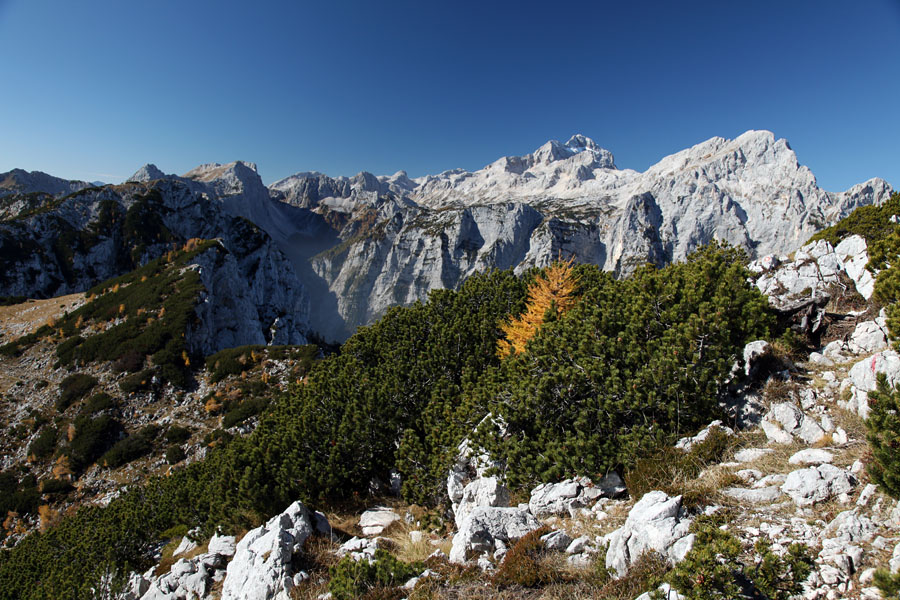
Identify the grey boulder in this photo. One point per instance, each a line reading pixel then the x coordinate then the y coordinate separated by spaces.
pixel 656 523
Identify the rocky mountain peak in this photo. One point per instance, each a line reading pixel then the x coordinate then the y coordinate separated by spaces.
pixel 231 179
pixel 148 172
pixel 20 181
pixel 554 151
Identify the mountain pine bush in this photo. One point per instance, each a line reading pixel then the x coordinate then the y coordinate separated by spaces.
pixel 634 364
pixel 883 435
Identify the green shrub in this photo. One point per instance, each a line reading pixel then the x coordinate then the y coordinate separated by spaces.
pixel 231 361
pixel 73 388
pixel 635 364
pixel 176 434
pixel 351 578
pixel 98 402
pixel 887 583
pixel 713 569
pixel 243 411
pixel 93 437
pixel 883 435
pixel 175 454
pixel 131 361
pixel 137 382
pixel 45 443
pixel 21 496
pixel 55 486
pixel 217 437
pixel 131 448
pixel 523 564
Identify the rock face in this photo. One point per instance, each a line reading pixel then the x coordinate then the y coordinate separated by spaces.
pixel 19 181
pixel 567 497
pixel 187 578
pixel 401 237
pixel 261 567
pixel 785 420
pixel 657 523
pixel 253 295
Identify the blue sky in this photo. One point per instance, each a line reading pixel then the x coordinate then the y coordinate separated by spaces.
pixel 94 89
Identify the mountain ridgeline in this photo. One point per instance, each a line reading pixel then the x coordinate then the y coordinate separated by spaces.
pixel 326 255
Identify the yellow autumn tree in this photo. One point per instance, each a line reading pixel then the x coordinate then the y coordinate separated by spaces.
pixel 553 290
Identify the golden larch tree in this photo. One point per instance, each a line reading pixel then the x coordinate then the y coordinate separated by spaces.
pixel 553 290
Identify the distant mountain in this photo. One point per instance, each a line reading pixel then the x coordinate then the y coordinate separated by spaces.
pixel 401 237
pixel 18 181
pixel 251 293
pixel 351 247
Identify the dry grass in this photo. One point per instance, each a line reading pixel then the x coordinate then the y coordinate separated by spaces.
pixel 777 460
pixel 317 557
pixel 21 319
pixel 406 549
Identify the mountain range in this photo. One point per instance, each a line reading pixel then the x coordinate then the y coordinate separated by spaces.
pixel 313 254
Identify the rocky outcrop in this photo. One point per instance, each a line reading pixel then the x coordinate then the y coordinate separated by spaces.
pixel 375 520
pixel 864 378
pixel 657 522
pixel 490 529
pixel 363 244
pixel 261 567
pixel 484 491
pixel 816 484
pixel 569 496
pixel 19 181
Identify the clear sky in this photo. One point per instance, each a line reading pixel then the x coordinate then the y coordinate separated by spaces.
pixel 93 89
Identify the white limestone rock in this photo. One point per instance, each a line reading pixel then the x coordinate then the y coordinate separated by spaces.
pixel 811 456
pixel 760 495
pixel 863 378
pixel 185 546
pixel 261 567
pixel 486 526
pixel 754 352
pixel 869 337
pixel 375 520
pixel 223 545
pixel 785 420
pixel 484 491
pixel 567 497
pixel 360 548
pixel 750 454
pixel 816 484
pixel 556 540
pixel 656 522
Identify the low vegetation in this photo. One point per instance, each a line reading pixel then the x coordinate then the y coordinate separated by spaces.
pixel 871 222
pixel 632 364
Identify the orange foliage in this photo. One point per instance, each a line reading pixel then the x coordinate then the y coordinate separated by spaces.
pixel 554 290
pixel 48 517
